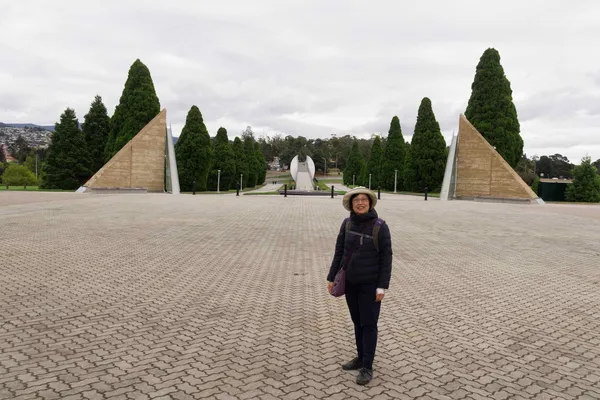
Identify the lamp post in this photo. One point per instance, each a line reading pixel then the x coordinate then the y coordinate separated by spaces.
pixel 218 181
pixel 325 160
pixel 241 181
pixel 353 179
pixel 395 179
pixel 369 181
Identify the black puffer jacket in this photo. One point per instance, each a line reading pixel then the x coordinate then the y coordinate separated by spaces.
pixel 366 265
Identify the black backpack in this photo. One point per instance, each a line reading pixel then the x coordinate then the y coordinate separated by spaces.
pixel 375 233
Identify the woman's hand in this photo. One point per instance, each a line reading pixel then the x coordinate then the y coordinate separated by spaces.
pixel 329 287
pixel 379 295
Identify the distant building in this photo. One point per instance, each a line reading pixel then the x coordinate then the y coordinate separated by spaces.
pixel 274 165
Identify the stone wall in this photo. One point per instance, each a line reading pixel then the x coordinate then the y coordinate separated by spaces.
pixel 482 171
pixel 140 163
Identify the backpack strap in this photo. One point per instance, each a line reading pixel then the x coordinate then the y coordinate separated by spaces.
pixel 348 224
pixel 375 234
pixel 376 229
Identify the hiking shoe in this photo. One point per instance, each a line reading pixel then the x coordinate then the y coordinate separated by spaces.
pixel 364 376
pixel 352 365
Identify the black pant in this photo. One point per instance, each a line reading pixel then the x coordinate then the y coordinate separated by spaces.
pixel 364 311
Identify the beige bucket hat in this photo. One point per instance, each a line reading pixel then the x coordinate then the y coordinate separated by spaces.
pixel 358 190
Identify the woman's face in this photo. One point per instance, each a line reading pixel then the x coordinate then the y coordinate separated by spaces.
pixel 360 204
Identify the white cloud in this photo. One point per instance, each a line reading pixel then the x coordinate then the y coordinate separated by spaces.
pixel 308 67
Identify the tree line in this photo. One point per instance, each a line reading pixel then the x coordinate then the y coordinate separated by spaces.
pixel 398 165
pixel 390 162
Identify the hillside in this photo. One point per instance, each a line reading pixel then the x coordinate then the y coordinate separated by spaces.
pixel 36 136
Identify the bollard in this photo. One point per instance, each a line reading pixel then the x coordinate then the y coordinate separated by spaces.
pixel 426 188
pixel 332 192
pixel 285 190
pixel 378 192
pixel 194 187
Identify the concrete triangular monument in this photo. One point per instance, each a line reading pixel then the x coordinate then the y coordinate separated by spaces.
pixel 476 171
pixel 140 164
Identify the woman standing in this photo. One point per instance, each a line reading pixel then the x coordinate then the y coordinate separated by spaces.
pixel 363 253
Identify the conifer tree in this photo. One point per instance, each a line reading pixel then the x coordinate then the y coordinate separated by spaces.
pixel 261 163
pixel 241 164
pixel 138 106
pixel 95 127
pixel 375 164
pixel 491 109
pixel 354 166
pixel 248 139
pixel 394 156
pixel 586 183
pixel 223 160
pixel 426 159
pixel 193 152
pixel 68 160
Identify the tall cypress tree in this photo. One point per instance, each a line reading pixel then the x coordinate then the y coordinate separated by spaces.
pixel 223 160
pixel 95 130
pixel 138 106
pixel 375 164
pixel 241 164
pixel 261 170
pixel 426 159
pixel 394 156
pixel 491 109
pixel 251 160
pixel 355 166
pixel 363 177
pixel 67 162
pixel 193 152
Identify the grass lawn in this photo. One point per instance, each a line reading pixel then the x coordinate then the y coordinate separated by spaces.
pixel 415 194
pixel 401 192
pixel 290 182
pixel 261 194
pixel 278 176
pixel 221 192
pixel 330 180
pixel 31 189
pixel 19 188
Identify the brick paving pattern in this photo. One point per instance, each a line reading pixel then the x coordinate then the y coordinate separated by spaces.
pixel 218 296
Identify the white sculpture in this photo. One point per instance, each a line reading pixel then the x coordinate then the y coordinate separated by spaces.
pixel 294 168
pixel 303 173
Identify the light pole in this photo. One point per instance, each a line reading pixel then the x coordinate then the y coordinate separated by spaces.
pixel 353 179
pixel 241 181
pixel 325 160
pixel 395 179
pixel 369 181
pixel 36 174
pixel 218 181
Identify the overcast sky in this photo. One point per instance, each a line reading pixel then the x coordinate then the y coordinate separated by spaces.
pixel 309 67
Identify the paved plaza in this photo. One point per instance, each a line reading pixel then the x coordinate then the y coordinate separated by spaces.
pixel 151 296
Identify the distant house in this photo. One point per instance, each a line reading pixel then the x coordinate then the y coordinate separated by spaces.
pixel 274 165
